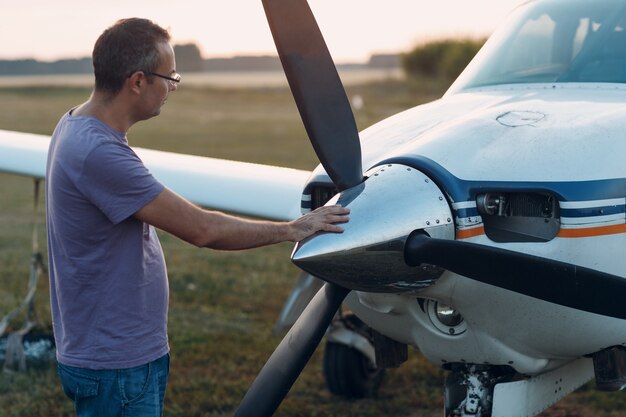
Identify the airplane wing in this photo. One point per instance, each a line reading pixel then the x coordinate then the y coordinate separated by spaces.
pixel 249 189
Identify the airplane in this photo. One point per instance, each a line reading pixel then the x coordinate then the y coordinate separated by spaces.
pixel 487 227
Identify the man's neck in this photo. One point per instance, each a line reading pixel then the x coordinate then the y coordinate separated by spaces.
pixel 109 110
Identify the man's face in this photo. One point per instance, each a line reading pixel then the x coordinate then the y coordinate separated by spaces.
pixel 158 90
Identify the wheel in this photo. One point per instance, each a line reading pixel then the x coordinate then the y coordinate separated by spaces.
pixel 349 373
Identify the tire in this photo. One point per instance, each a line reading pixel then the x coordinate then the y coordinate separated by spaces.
pixel 349 373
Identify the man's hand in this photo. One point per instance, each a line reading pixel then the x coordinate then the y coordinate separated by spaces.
pixel 323 219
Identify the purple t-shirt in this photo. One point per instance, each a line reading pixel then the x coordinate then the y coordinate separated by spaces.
pixel 108 281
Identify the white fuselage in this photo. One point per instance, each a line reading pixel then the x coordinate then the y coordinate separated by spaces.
pixel 566 138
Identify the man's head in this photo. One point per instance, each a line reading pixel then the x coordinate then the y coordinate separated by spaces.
pixel 128 46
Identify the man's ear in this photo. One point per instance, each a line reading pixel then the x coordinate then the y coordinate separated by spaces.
pixel 136 81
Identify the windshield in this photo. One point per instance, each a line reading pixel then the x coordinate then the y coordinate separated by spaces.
pixel 554 41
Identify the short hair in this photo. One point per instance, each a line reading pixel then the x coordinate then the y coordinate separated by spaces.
pixel 129 45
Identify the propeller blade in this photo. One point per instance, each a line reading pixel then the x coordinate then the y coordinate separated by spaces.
pixel 546 279
pixel 292 354
pixel 317 90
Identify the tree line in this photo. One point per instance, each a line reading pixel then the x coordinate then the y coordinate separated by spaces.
pixel 441 59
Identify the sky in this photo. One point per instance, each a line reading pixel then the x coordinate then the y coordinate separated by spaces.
pixel 353 29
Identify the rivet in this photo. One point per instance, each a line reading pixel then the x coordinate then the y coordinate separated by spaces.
pixel 426 180
pixel 437 221
pixel 440 198
pixel 427 223
pixel 449 220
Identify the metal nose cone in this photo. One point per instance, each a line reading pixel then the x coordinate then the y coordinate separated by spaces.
pixel 369 255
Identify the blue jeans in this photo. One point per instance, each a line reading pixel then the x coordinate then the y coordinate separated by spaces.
pixel 136 392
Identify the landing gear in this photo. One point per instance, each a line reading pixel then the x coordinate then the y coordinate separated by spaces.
pixel 349 361
pixel 469 389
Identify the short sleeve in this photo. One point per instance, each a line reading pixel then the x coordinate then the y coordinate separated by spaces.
pixel 116 181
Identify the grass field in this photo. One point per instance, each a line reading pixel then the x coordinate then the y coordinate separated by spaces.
pixel 223 305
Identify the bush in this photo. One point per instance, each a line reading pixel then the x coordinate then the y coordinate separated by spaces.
pixel 440 59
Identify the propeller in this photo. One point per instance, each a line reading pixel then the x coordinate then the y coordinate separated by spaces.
pixel 330 125
pixel 549 280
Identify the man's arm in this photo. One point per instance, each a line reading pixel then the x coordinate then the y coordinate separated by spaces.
pixel 212 229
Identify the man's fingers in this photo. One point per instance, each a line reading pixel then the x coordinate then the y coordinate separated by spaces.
pixel 331 216
pixel 338 219
pixel 334 214
pixel 332 228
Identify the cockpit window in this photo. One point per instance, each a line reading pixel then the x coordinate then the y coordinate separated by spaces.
pixel 554 41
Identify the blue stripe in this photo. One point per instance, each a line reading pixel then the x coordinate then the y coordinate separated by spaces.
pixel 466 212
pixel 467 190
pixel 591 212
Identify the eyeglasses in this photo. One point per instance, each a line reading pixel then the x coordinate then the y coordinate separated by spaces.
pixel 175 79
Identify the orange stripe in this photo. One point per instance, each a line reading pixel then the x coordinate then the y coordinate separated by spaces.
pixel 563 233
pixel 593 231
pixel 467 233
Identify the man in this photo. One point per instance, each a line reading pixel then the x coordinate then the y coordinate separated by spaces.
pixel 108 281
